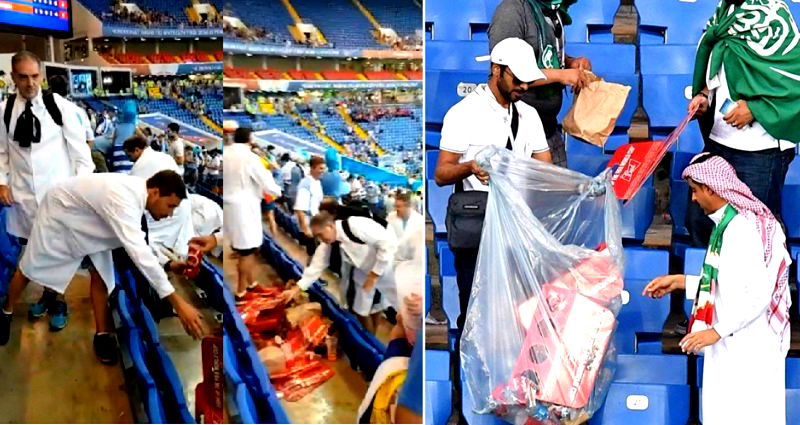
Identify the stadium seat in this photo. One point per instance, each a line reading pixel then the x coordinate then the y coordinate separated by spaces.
pixel 450 301
pixel 666 98
pixel 445 22
pixel 340 75
pixel 436 201
pixel 794 7
pixel 381 75
pixel 640 314
pixel 456 55
pixel 647 389
pixel 637 214
pixel 341 23
pixel 133 348
pixel 591 21
pixel 438 387
pixel 432 140
pixel 449 87
pixel 431 157
pixel 668 59
pixel 791 201
pixel 606 58
pixel 413 75
pixel 673 21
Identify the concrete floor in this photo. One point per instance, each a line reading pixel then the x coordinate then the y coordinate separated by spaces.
pixel 336 401
pixel 49 377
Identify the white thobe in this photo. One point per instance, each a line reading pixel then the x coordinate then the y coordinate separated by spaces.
pixel 151 162
pixel 376 255
pixel 746 366
pixel 61 153
pixel 245 181
pixel 91 215
pixel 206 215
pixel 410 235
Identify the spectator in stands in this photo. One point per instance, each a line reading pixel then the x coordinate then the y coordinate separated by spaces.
pixel 331 180
pixel 191 165
pixel 91 215
pixel 246 182
pixel 26 174
pixel 368 248
pixel 147 161
pixel 741 301
pixel 540 24
pixel 127 127
pixel 175 146
pixel 487 117
pixel 309 196
pixel 291 174
pixel 757 135
pixel 409 228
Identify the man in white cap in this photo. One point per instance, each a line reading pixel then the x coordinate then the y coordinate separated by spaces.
pixel 492 115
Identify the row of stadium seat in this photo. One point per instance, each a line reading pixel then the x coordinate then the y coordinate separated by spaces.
pixel 161 58
pixel 271 74
pixel 175 9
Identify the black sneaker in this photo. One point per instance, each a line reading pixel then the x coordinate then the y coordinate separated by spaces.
pixel 5 327
pixel 105 348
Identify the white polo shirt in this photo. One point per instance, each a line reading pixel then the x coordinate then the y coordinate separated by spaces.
pixel 479 120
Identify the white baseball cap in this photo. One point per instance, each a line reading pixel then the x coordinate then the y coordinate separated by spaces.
pixel 519 56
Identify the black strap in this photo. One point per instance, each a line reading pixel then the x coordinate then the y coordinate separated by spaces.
pixel 49 103
pixel 52 108
pixel 349 233
pixel 9 108
pixel 145 229
pixel 459 187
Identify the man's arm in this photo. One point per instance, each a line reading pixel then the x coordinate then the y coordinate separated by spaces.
pixel 319 262
pixel 544 156
pixel 449 170
pixel 375 235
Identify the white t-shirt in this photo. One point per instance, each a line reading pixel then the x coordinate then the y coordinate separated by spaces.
pixel 309 195
pixel 215 162
pixel 479 120
pixel 176 148
pixel 752 137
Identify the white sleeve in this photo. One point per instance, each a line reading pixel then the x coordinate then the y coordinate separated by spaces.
pixel 264 179
pixel 75 137
pixel 692 282
pixel 319 262
pixel 536 140
pixel 118 213
pixel 303 198
pixel 749 289
pixel 5 165
pixel 454 136
pixel 373 234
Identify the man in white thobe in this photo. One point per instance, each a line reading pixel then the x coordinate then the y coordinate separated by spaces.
pixel 369 249
pixel 91 216
pixel 35 154
pixel 245 182
pixel 409 228
pixel 740 320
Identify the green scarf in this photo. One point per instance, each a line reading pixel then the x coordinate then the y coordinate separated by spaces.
pixel 703 309
pixel 548 53
pixel 759 44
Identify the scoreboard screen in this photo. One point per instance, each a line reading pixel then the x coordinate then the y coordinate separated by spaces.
pixel 37 17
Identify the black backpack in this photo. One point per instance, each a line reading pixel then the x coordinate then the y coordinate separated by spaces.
pixel 49 103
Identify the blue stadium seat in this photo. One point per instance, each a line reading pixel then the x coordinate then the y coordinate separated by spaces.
pixel 791 201
pixel 640 314
pixel 438 387
pixel 450 302
pixel 428 294
pixel 445 83
pixel 432 139
pixel 668 59
pixel 446 262
pixel 637 214
pixel 455 55
pixel 436 200
pixel 665 98
pixel 647 389
pixel 606 58
pixel 445 22
pixel 431 156
pixel 591 21
pixel 150 329
pixel 794 7
pixel 673 21
pixel 171 387
pixel 154 409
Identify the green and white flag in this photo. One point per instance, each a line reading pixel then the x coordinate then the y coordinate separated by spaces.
pixel 757 41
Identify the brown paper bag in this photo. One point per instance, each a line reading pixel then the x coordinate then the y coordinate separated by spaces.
pixel 595 110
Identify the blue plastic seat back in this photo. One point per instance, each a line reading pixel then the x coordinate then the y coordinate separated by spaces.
pixel 666 98
pixel 791 195
pixel 431 157
pixel 640 314
pixel 446 88
pixel 693 265
pixel 171 388
pixel 668 59
pixel 456 55
pixel 591 21
pixel 438 387
pixel 445 22
pixel 673 21
pixel 150 329
pixel 436 201
pixel 154 407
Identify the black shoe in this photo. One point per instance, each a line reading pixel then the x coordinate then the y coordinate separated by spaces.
pixel 105 348
pixel 5 327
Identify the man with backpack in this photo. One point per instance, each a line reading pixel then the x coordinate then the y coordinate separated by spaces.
pixel 365 246
pixel 42 142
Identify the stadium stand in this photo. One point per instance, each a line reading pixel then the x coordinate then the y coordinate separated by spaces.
pixel 342 24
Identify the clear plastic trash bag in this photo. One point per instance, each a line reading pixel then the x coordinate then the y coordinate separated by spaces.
pixel 537 346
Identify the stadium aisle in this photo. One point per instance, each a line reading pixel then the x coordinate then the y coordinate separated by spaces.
pixel 337 400
pixel 55 376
